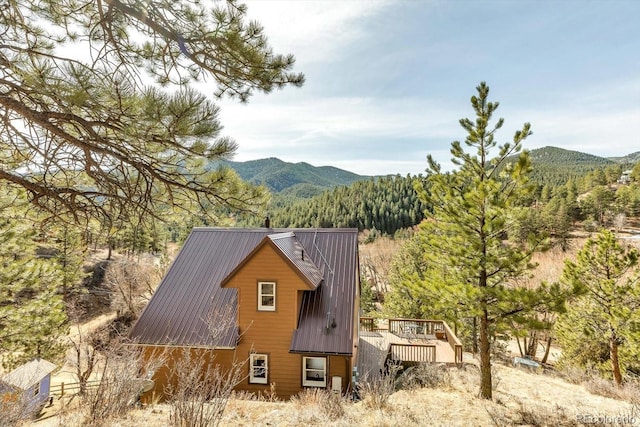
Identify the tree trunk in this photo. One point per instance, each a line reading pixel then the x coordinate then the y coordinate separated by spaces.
pixel 474 338
pixel 613 354
pixel 532 348
pixel 520 346
pixel 547 350
pixel 485 357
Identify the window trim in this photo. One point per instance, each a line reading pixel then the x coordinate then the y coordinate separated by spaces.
pixel 253 357
pixel 314 383
pixel 261 306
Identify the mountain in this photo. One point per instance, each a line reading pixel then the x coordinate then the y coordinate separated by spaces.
pixel 551 165
pixel 556 166
pixel 300 179
pixel 560 156
pixel 629 159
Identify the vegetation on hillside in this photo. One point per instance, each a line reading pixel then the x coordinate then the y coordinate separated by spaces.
pixel 473 208
pixel 386 204
pixel 32 310
pixel 279 176
pixel 600 328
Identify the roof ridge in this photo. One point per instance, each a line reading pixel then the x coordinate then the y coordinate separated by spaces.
pixel 284 235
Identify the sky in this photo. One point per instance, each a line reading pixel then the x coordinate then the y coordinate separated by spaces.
pixel 387 81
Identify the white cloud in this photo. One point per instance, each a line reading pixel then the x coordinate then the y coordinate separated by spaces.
pixel 313 30
pixel 377 132
pixel 257 124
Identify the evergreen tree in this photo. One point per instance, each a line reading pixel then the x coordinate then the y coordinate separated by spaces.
pixel 65 244
pixel 607 308
pixel 32 310
pixel 94 134
pixel 471 217
pixel 635 173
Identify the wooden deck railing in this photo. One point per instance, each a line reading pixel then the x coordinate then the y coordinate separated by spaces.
pixel 413 352
pixel 454 342
pixel 414 328
pixel 368 324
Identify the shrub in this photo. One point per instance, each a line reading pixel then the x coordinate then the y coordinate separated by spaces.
pixel 312 404
pixel 376 390
pixel 121 380
pixel 199 389
pixel 428 375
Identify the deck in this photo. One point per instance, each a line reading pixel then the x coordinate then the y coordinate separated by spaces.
pixel 406 341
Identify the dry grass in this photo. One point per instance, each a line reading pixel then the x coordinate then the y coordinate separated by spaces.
pixel 520 398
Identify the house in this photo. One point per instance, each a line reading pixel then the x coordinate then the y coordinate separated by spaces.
pixel 625 178
pixel 26 388
pixel 284 300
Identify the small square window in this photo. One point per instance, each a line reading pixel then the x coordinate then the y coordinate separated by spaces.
pixel 314 371
pixel 258 368
pixel 266 296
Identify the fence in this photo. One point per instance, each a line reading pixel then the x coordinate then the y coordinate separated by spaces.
pixel 59 390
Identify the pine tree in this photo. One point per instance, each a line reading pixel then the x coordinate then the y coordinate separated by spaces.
pixel 85 130
pixel 32 310
pixel 472 214
pixel 608 306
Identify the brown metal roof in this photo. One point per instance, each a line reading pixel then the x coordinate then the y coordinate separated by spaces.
pixel 325 322
pixel 289 246
pixel 293 250
pixel 179 312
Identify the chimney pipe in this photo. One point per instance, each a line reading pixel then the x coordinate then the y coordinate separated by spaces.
pixel 267 222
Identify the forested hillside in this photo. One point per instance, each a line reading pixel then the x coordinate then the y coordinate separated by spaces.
pixel 632 158
pixel 303 179
pixel 386 204
pixel 328 197
pixel 556 166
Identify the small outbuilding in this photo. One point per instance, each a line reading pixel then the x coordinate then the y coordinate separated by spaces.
pixel 26 388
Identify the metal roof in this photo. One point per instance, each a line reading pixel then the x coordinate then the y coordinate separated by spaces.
pixel 291 248
pixel 190 298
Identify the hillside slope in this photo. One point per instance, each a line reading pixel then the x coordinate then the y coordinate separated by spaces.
pixel 278 175
pixel 520 398
pixel 628 159
pixel 556 166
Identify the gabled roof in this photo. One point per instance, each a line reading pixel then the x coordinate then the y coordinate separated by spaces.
pixel 292 250
pixel 29 374
pixel 180 311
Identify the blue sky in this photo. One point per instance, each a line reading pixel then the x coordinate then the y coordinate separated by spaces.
pixel 387 81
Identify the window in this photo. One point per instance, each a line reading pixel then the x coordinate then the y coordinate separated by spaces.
pixel 314 371
pixel 266 296
pixel 259 368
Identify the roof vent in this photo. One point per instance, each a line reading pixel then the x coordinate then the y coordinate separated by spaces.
pixel 267 222
pixel 331 323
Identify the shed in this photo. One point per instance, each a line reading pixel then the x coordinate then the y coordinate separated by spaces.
pixel 27 386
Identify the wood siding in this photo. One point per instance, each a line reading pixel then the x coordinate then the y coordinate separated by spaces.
pixel 266 332
pixel 271 332
pixel 288 369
